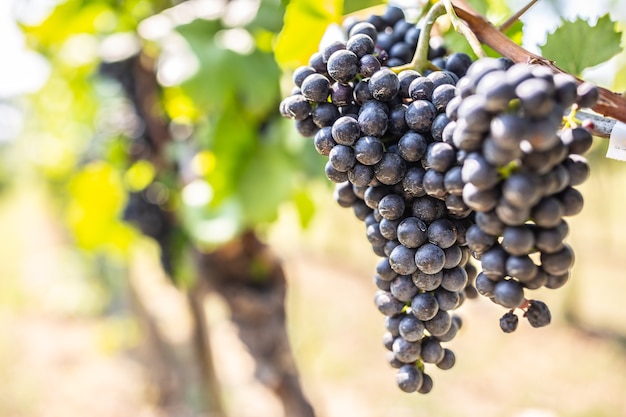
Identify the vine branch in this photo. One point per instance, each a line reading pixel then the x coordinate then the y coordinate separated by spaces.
pixel 609 103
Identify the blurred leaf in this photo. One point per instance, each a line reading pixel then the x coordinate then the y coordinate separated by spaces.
pixel 139 175
pixel 97 198
pixel 265 182
pixel 304 205
pixel 305 24
pixel 577 45
pixel 252 78
pixel 351 6
pixel 269 17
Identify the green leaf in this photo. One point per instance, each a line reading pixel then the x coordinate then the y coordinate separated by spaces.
pixel 305 206
pixel 305 24
pixel 269 17
pixel 265 182
pixel 351 6
pixel 577 45
pixel 252 78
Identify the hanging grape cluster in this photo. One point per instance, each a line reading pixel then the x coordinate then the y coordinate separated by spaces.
pixel 465 161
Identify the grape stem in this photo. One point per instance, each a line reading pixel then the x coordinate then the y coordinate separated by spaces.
pixel 602 126
pixel 461 27
pixel 511 20
pixel 420 61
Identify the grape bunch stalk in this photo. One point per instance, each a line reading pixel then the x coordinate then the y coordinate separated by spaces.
pixel 424 158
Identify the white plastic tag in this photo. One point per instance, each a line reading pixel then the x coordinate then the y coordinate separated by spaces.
pixel 617 142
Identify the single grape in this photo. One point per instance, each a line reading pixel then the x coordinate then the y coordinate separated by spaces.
pixel 402 260
pixel 316 88
pixel 424 306
pixel 427 282
pixel 420 115
pixel 538 314
pixel 447 361
pixel 412 232
pixel 373 119
pixel 342 158
pixel 442 233
pixel 454 279
pixel 429 258
pixel 391 206
pixel 508 322
pixel 508 293
pixel 493 262
pixel 411 328
pixel 518 240
pixel 521 267
pixel 439 324
pixel 558 262
pixel 387 303
pixel 390 169
pixel 412 146
pixel 405 351
pixel 402 288
pixel 409 378
pixel 484 285
pixel 384 85
pixel 431 352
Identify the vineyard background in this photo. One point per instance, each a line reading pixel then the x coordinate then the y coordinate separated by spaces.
pixel 72 346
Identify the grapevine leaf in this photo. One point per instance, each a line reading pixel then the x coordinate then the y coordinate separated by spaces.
pixel 97 199
pixel 577 45
pixel 305 24
pixel 304 205
pixel 269 17
pixel 350 6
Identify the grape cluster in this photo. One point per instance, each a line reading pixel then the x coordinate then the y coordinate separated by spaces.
pixel 519 172
pixel 442 166
pixel 382 133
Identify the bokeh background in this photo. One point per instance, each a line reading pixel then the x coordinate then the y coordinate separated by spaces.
pixel 72 343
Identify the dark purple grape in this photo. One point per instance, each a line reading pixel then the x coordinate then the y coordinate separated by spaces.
pixel 409 378
pixel 369 65
pixel 390 169
pixel 427 282
pixel 403 289
pixel 508 322
pixel 402 260
pixel 429 258
pixel 538 314
pixel 342 158
pixel 421 88
pixel 508 293
pixel 387 304
pixel 384 85
pixel 324 114
pixel 588 94
pixel 316 88
pixel 405 351
pixel 424 306
pixel 411 328
pixel 412 232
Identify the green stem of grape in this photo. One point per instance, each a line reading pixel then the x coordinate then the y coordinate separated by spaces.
pixel 420 61
pixel 461 27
